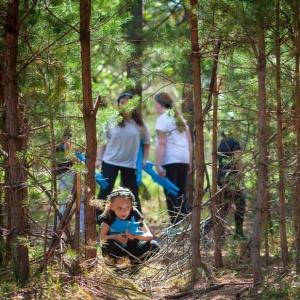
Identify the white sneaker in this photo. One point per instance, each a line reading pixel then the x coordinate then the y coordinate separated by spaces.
pixel 172 231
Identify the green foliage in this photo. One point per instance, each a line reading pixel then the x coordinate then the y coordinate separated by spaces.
pixel 50 92
pixel 281 289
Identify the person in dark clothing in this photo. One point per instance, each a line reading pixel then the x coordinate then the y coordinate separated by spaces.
pixel 230 180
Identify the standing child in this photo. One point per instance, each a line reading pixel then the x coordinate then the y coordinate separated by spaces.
pixel 120 207
pixel 173 153
pixel 119 154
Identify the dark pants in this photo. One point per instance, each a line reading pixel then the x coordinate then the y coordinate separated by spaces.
pixel 128 180
pixel 177 205
pixel 140 249
pixel 230 194
pixel 240 206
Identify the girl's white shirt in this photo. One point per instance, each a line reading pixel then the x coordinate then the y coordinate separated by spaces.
pixel 123 143
pixel 177 145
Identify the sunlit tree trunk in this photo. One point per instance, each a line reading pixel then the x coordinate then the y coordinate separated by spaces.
pixel 89 116
pixel 281 165
pixel 196 260
pixel 262 164
pixel 16 142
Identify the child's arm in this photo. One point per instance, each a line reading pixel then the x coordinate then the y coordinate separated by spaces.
pixel 147 236
pixel 160 152
pixel 100 151
pixel 104 236
pixel 146 153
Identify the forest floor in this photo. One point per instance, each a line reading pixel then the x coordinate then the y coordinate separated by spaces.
pixel 168 275
pixel 233 281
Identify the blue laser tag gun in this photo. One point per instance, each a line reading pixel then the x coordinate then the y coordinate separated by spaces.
pixel 98 176
pixel 163 181
pixel 120 226
pixel 139 168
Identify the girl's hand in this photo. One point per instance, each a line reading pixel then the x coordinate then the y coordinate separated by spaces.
pixel 161 171
pixel 98 163
pixel 130 236
pixel 144 163
pixel 121 238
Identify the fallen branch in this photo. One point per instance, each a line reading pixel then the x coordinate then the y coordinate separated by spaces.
pixel 198 291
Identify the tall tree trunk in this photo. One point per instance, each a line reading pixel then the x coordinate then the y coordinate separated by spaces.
pixel 134 37
pixel 2 179
pixel 17 190
pixel 188 108
pixel 196 260
pixel 89 116
pixel 216 199
pixel 296 40
pixel 281 181
pixel 262 168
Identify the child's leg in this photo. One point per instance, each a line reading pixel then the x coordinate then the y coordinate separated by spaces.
pixel 143 250
pixel 109 248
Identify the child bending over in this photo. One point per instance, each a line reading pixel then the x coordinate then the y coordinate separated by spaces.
pixel 120 210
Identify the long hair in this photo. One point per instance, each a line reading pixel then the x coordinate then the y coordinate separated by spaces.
pixel 136 115
pixel 166 101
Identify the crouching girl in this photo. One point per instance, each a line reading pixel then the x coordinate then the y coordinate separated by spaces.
pixel 123 227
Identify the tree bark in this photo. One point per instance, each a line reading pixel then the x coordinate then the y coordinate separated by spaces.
pixel 296 41
pixel 17 189
pixel 281 164
pixel 217 199
pixel 196 260
pixel 262 164
pixel 2 178
pixel 188 108
pixel 134 36
pixel 89 116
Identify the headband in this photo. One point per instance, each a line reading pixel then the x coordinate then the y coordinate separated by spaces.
pixel 162 102
pixel 121 192
pixel 123 95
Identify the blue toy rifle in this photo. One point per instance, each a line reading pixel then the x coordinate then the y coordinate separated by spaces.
pixel 98 176
pixel 120 226
pixel 139 168
pixel 163 181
